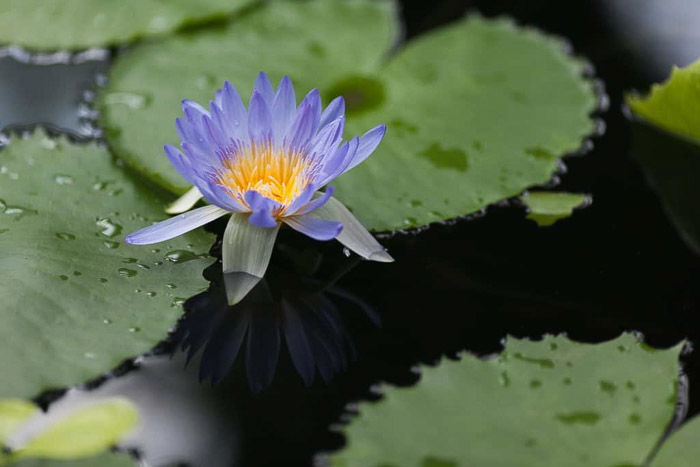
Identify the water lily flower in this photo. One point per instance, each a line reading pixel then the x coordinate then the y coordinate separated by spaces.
pixel 265 166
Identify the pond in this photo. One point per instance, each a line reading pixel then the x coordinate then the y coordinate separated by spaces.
pixel 480 298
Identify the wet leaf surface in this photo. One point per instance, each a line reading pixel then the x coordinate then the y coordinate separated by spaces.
pixel 549 403
pixel 471 120
pixel 76 299
pixel 55 24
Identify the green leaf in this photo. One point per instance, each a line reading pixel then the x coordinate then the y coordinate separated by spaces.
pixel 78 24
pixel 85 433
pixel 107 459
pixel 14 412
pixel 545 208
pixel 682 449
pixel 477 112
pixel 77 300
pixel 548 403
pixel 675 104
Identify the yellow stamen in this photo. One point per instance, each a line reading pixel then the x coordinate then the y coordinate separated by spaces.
pixel 277 174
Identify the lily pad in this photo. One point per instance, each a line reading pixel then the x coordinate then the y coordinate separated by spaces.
pixel 546 208
pixel 107 459
pixel 14 412
pixel 76 300
pixel 477 112
pixel 682 448
pixel 548 403
pixel 78 24
pixel 673 105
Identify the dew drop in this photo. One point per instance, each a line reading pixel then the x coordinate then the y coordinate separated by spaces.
pixel 111 244
pixel 177 301
pixel 155 250
pixel 108 228
pixel 346 252
pixel 127 272
pixel 65 236
pixel 107 321
pixel 180 256
pixel 608 387
pixel 89 355
pixel 151 294
pixel 130 260
pixel 103 279
pixel 64 179
pixel 134 329
pixel 63 277
pixel 143 266
pixel 171 286
pixel 77 273
pixel 129 99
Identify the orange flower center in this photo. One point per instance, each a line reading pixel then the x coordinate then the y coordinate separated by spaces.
pixel 276 174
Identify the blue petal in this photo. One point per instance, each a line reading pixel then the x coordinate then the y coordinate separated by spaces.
pixel 264 87
pixel 334 111
pixel 175 226
pixel 234 112
pixel 301 200
pixel 314 227
pixel 261 208
pixel 316 203
pixel 181 164
pixel 306 121
pixel 338 163
pixel 218 195
pixel 326 140
pixel 259 119
pixel 368 143
pixel 284 108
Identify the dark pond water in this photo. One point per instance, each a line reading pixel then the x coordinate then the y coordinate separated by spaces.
pixel 617 265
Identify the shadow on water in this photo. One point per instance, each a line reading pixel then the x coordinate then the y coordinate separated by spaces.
pixel 618 265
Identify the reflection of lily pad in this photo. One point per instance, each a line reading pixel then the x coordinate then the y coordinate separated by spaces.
pixel 545 208
pixel 548 403
pixel 76 300
pixel 477 112
pixel 77 24
pixel 671 166
pixel 675 104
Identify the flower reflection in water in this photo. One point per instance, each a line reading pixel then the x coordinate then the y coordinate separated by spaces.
pixel 306 318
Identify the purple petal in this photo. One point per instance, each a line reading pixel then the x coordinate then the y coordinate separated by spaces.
pixel 368 143
pixel 314 227
pixel 264 87
pixel 235 114
pixel 301 200
pixel 262 208
pixel 175 226
pixel 284 108
pixel 338 163
pixel 306 121
pixel 259 119
pixel 334 111
pixel 316 203
pixel 298 343
pixel 180 162
pixel 325 142
pixel 219 195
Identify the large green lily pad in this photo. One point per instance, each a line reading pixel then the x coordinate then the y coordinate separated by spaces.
pixel 76 300
pixel 477 112
pixel 548 403
pixel 78 24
